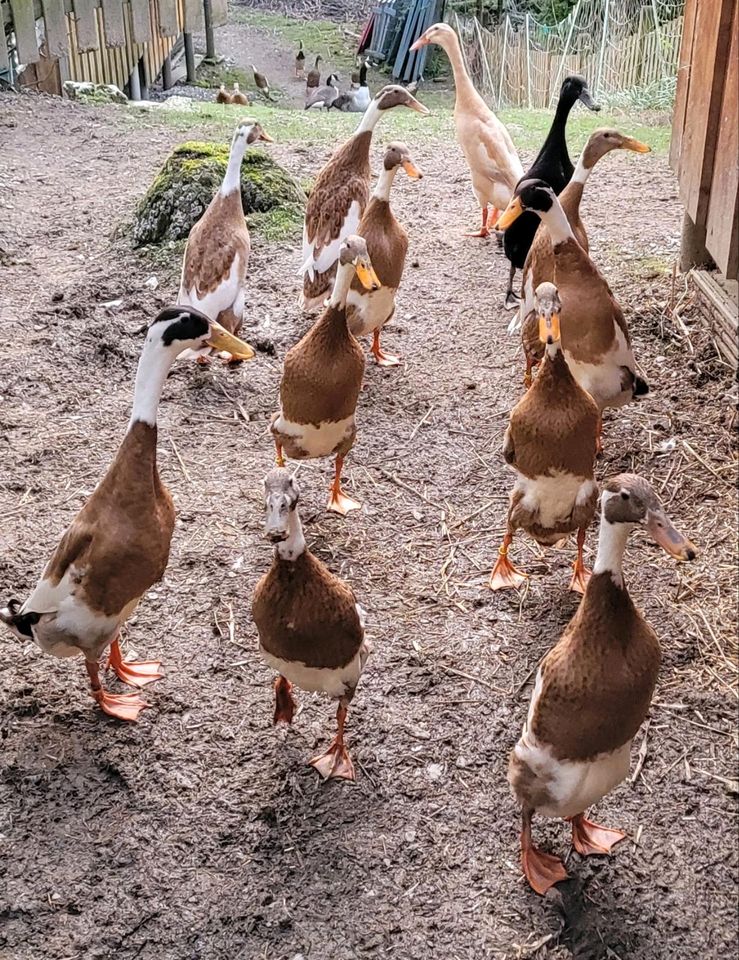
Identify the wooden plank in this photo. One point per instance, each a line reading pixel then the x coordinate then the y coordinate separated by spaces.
pixel 24 26
pixel 168 25
pixel 705 92
pixel 683 81
pixel 115 34
pixel 56 28
pixel 140 21
pixel 219 11
pixel 722 226
pixel 194 16
pixel 86 25
pixel 4 59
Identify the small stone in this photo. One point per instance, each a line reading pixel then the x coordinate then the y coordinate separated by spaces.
pixel 434 771
pixel 152 283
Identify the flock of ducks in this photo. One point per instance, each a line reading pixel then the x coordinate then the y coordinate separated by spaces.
pixel 594 688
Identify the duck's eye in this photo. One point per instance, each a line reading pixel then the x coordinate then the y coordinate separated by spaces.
pixel 625 495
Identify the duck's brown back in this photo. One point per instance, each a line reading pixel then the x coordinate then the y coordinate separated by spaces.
pixel 306 614
pixel 216 239
pixel 387 243
pixel 598 681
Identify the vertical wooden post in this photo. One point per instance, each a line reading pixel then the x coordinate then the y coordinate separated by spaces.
pixel 528 61
pixel 189 58
pixel 167 73
pixel 574 15
pixel 601 54
pixel 134 83
pixel 502 63
pixel 210 43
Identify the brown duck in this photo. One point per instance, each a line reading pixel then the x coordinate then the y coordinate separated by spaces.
pixel 217 252
pixel 550 445
pixel 339 197
pixel 595 337
pixel 322 377
pixel 593 689
pixel 311 629
pixel 387 244
pixel 540 260
pixel 117 546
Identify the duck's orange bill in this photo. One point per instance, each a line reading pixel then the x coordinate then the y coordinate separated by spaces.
pixel 549 328
pixel 367 276
pixel 422 41
pixel 263 135
pixel 412 170
pixel 636 145
pixel 511 213
pixel 221 339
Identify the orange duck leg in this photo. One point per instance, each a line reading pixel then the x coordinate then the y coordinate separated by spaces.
pixel 338 501
pixel 542 870
pixel 504 575
pixel 335 763
pixel 487 223
pixel 136 673
pixel 122 706
pixel 383 359
pixel 580 573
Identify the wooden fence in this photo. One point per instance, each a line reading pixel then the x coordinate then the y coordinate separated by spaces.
pixel 99 40
pixel 522 63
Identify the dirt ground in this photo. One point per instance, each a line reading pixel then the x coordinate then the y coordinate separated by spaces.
pixel 202 833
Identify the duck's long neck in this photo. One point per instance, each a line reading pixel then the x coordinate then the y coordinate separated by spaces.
pixel 294 545
pixel 611 546
pixel 462 80
pixel 232 180
pixel 384 184
pixel 582 172
pixel 152 372
pixel 556 135
pixel 557 223
pixel 369 119
pixel 344 276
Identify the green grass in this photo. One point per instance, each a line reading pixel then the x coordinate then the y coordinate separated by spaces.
pixel 527 127
pixel 212 75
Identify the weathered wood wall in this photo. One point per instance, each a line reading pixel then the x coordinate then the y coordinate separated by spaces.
pixel 705 147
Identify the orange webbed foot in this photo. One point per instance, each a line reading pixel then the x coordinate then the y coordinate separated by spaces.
pixel 335 763
pixel 340 503
pixel 122 706
pixel 505 576
pixel 580 577
pixel 542 870
pixel 590 838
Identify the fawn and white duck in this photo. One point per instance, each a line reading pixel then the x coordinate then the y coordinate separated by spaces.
pixel 593 689
pixel 117 546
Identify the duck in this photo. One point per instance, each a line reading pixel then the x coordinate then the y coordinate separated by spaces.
pixel 387 244
pixel 485 142
pixel 595 337
pixel 339 197
pixel 261 83
pixel 553 166
pixel 593 689
pixel 223 96
pixel 361 98
pixel 310 626
pixel 550 444
pixel 300 61
pixel 539 264
pixel 118 545
pixel 323 97
pixel 239 97
pixel 217 252
pixel 314 76
pixel 321 379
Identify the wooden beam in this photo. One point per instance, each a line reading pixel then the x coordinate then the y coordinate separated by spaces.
pixel 24 25
pixel 140 21
pixel 57 44
pixel 168 26
pixel 115 34
pixel 86 25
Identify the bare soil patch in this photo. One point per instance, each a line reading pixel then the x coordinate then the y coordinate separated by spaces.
pixel 199 832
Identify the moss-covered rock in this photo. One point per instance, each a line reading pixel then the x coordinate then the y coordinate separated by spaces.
pixel 274 203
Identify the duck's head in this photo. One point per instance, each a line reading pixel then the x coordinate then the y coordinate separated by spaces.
pixel 333 80
pixel 604 140
pixel 398 155
pixel 629 499
pixel 576 88
pixel 440 33
pixel 548 307
pixel 353 252
pixel 534 195
pixel 179 328
pixel 250 131
pixel 236 87
pixel 281 496
pixel 393 95
pixel 319 59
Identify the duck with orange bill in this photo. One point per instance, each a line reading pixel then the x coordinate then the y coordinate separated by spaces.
pixel 339 197
pixel 117 546
pixel 368 311
pixel 594 334
pixel 217 253
pixel 322 377
pixel 311 628
pixel 550 445
pixel 539 264
pixel 593 690
pixel 485 142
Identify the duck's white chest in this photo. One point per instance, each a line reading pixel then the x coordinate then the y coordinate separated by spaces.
pixel 372 309
pixel 316 441
pixel 604 380
pixel 552 498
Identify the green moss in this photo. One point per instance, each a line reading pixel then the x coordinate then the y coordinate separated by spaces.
pixel 273 202
pixel 212 75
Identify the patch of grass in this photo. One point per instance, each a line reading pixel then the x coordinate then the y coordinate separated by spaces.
pixel 212 75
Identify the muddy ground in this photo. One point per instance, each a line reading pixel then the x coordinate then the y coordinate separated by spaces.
pixel 202 833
